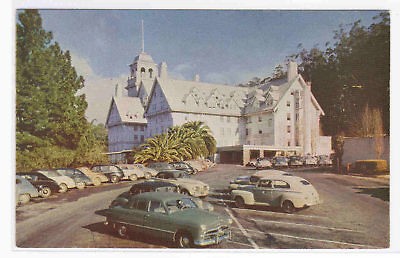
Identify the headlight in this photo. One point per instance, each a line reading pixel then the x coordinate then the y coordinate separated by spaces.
pixel 196 188
pixel 230 221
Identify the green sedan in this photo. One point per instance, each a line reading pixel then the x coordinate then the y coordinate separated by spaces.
pixel 169 216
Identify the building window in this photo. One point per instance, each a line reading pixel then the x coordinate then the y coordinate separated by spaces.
pixel 249 119
pixel 151 73
pixel 142 138
pixel 270 122
pixel 288 103
pixel 288 117
pixel 288 128
pixel 247 131
pixel 135 137
pixel 288 143
pixel 259 131
pixel 259 119
pixel 141 128
pixel 134 128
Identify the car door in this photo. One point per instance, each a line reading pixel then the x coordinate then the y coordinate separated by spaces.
pixel 280 187
pixel 157 222
pixel 132 214
pixel 263 192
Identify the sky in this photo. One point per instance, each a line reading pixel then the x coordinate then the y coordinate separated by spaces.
pixel 222 46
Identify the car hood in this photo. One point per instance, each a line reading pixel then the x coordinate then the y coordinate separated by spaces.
pixel 200 217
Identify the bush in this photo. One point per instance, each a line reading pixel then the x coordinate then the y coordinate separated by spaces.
pixel 371 166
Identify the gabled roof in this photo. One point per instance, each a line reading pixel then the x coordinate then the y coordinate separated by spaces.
pixel 178 92
pixel 130 109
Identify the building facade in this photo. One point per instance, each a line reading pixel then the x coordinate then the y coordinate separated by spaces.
pixel 279 116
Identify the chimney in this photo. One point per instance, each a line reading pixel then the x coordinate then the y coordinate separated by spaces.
pixel 292 70
pixel 116 90
pixel 163 70
pixel 197 78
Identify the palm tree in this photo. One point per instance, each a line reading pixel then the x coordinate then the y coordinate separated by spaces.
pixel 159 149
pixel 204 132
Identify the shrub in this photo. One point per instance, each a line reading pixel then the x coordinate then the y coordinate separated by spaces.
pixel 371 166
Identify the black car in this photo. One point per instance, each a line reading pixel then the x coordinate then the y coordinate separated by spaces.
pixel 172 174
pixel 148 186
pixel 43 184
pixel 114 173
pixel 180 165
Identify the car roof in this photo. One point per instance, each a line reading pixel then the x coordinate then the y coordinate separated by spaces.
pixel 153 184
pixel 289 179
pixel 160 196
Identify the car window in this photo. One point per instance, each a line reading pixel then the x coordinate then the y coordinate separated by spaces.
pixel 142 205
pixel 281 184
pixel 161 175
pixel 266 183
pixel 156 206
pixel 254 179
pixel 180 204
pixel 305 182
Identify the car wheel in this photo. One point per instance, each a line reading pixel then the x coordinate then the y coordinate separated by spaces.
pixel 288 207
pixel 45 192
pixel 147 175
pixel 185 192
pixel 239 202
pixel 63 188
pixel 184 240
pixel 122 231
pixel 133 177
pixel 24 198
pixel 80 185
pixel 114 179
pixel 96 181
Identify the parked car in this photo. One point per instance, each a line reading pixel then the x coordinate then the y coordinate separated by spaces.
pixel 96 177
pixel 81 180
pixel 295 161
pixel 24 190
pixel 64 182
pixel 324 160
pixel 180 165
pixel 141 167
pixel 112 172
pixel 186 185
pixel 198 164
pixel 286 192
pixel 132 172
pixel 252 163
pixel 144 187
pixel 310 160
pixel 253 179
pixel 263 163
pixel 43 184
pixel 280 162
pixel 169 216
pixel 161 166
pixel 155 186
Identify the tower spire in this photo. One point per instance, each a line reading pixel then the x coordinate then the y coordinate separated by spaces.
pixel 142 37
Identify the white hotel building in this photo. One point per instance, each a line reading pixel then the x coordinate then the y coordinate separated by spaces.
pixel 280 116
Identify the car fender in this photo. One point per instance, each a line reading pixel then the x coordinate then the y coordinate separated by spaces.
pixel 297 201
pixel 247 196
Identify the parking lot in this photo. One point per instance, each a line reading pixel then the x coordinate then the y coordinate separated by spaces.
pixel 347 218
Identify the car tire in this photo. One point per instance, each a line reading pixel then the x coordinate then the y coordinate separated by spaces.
pixel 114 179
pixel 288 207
pixel 147 175
pixel 45 192
pixel 122 231
pixel 184 192
pixel 24 198
pixel 133 177
pixel 239 202
pixel 80 185
pixel 97 181
pixel 63 188
pixel 184 240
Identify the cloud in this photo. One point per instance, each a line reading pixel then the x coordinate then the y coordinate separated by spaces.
pixel 98 89
pixel 182 71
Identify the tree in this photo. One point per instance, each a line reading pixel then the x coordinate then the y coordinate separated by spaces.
pixel 204 132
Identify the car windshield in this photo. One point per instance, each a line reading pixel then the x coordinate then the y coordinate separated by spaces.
pixel 50 173
pixel 281 159
pixel 180 204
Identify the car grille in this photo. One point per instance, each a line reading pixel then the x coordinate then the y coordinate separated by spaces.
pixel 218 232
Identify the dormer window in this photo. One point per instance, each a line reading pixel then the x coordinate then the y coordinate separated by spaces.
pixel 151 73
